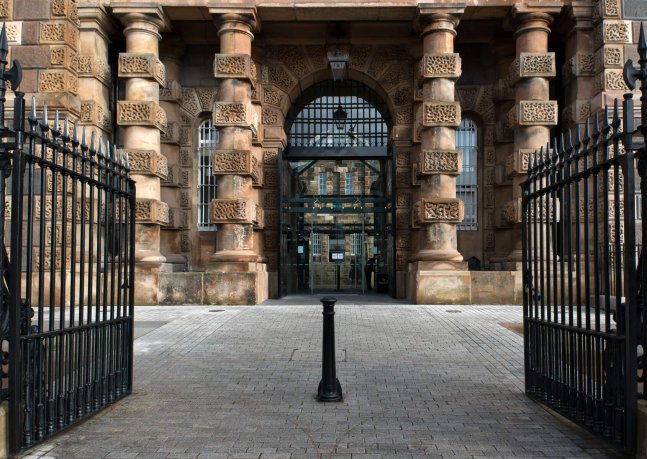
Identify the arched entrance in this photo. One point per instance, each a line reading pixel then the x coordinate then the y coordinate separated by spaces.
pixel 337 207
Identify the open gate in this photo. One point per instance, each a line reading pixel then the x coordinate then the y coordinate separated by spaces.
pixel 585 271
pixel 67 266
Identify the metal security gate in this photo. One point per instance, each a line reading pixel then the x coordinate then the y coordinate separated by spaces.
pixel 67 260
pixel 584 270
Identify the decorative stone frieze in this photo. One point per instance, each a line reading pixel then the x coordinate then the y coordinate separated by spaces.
pixel 95 114
pixel 88 65
pixel 59 33
pixel 233 211
pixel 403 240
pixel 238 66
pixel 534 113
pixel 141 113
pixel 151 211
pixel 240 114
pixel 57 81
pixel 610 80
pixel 447 65
pixel 517 163
pixel 529 65
pixel 172 133
pixel 271 177
pixel 239 162
pixel 142 65
pixel 439 210
pixel 441 114
pixel 147 162
pixel 448 162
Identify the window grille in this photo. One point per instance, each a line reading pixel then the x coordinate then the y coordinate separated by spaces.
pixel 467 181
pixel 322 183
pixel 350 189
pixel 316 244
pixel 355 245
pixel 207 142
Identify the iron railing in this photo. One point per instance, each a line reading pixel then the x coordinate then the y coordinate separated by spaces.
pixel 67 291
pixel 583 308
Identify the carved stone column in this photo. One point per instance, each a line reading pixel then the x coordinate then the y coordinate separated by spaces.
pixel 533 112
pixel 143 119
pixel 238 263
pixel 438 211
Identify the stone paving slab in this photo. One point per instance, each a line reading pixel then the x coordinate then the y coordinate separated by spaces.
pixel 419 382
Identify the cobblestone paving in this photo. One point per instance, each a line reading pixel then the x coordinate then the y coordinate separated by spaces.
pixel 418 381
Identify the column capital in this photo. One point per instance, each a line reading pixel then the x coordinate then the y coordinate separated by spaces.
pixel 138 16
pixel 94 16
pixel 527 17
pixel 244 20
pixel 439 17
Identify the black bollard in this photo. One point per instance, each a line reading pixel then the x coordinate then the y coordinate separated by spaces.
pixel 329 388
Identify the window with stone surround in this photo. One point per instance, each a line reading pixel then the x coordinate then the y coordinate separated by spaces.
pixel 207 142
pixel 467 181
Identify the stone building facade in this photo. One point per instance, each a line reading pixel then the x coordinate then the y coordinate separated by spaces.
pixel 202 97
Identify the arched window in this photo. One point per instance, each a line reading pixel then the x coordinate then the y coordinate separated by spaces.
pixel 207 142
pixel 467 181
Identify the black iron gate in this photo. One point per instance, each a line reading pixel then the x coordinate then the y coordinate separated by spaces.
pixel 584 269
pixel 67 265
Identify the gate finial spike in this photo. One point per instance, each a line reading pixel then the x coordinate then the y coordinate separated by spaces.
pixel 56 121
pixel 45 114
pixel 84 143
pixel 99 152
pixel 33 108
pixel 4 46
pixel 75 135
pixel 92 136
pixel 642 43
pixel 569 142
pixel 605 120
pixel 577 136
pixel 66 127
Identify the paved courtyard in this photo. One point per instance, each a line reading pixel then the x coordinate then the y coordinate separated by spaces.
pixel 239 382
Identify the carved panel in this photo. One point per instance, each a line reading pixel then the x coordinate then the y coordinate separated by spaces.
pixel 5 8
pixel 402 158
pixel 436 210
pixel 14 32
pixel 403 198
pixel 610 80
pixel 271 200
pixel 226 162
pixel 613 31
pixel 511 213
pixel 88 65
pixel 403 240
pixel 537 112
pixel 440 66
pixel 273 96
pixel 609 8
pixel 529 65
pixel 172 91
pixel 359 56
pixel 171 134
pixel 206 97
pixel 93 113
pixel 141 113
pixel 272 117
pixel 59 33
pixel 402 177
pixel 147 162
pixel 609 56
pixel 151 211
pixel 271 177
pixel 490 156
pixel 292 57
pixel 232 114
pixel 440 162
pixel 190 102
pixel 402 218
pixel 57 81
pixel 517 163
pixel 141 65
pixel 279 77
pixel 62 56
pixel 233 211
pixel 441 114
pixel 270 156
pixel 234 66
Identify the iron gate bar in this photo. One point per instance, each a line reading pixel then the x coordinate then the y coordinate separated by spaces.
pixel 583 304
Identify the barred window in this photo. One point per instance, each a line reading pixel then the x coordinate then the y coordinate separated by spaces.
pixel 316 244
pixel 207 142
pixel 350 189
pixel 355 245
pixel 322 183
pixel 467 181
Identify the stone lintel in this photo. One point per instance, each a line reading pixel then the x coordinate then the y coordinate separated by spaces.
pixel 238 114
pixel 438 210
pixel 446 65
pixel 141 113
pixel 233 211
pixel 439 113
pixel 142 65
pixel 238 66
pixel 147 162
pixel 434 162
pixel 151 211
pixel 530 65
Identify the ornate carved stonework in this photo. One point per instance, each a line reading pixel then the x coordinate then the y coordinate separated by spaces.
pixel 402 218
pixel 271 117
pixel 440 66
pixel 517 163
pixel 529 65
pixel 434 162
pixel 292 57
pixel 59 33
pixel 232 114
pixel 88 65
pixel 270 156
pixel 273 96
pixel 609 8
pixel 233 211
pixel 511 213
pixel 403 158
pixel 271 199
pixel 436 210
pixel 141 113
pixel 610 80
pixel 609 56
pixel 171 134
pixel 141 66
pixel 276 75
pixel 613 31
pixel 151 211
pixel 536 113
pixel 403 198
pixel 441 114
pixel 93 113
pixel 5 8
pixel 57 81
pixel 234 66
pixel 490 156
pixel 271 177
pixel 190 102
pixel 62 56
pixel 173 177
pixel 402 178
pixel 403 240
pixel 147 162
pixel 227 162
pixel 172 91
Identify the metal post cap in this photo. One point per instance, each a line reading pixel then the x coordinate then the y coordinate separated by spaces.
pixel 328 300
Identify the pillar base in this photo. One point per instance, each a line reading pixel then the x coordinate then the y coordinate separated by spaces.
pixel 439 255
pixel 236 287
pixel 439 282
pixel 235 256
pixel 147 281
pixel 149 256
